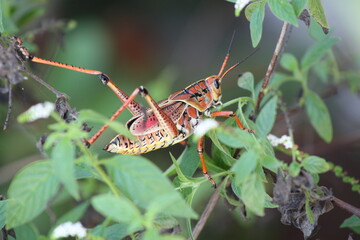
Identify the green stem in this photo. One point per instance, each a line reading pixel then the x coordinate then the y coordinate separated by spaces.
pixel 95 164
pixel 236 100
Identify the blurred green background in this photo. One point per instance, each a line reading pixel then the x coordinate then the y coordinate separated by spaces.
pixel 165 46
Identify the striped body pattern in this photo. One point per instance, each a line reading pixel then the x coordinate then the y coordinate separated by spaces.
pixel 185 108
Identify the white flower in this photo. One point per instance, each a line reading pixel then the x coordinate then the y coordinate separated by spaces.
pixel 274 140
pixel 240 4
pixel 204 126
pixel 69 229
pixel 284 140
pixel 40 110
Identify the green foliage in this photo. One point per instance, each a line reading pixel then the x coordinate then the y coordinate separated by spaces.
pixel 135 197
pixel 266 119
pixel 319 115
pixel 353 223
pixel 317 12
pixel 27 231
pixel 316 52
pixel 16 15
pixel 153 191
pixel 29 193
pixel 283 10
pixel 118 209
pixel 62 156
pixel 256 22
pixel 3 204
pixel 314 164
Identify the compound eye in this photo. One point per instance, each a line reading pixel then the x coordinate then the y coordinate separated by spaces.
pixel 217 83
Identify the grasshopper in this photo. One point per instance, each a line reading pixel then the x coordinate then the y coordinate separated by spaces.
pixel 163 123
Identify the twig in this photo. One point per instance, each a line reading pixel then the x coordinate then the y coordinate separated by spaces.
pixel 45 84
pixel 272 65
pixel 346 206
pixel 206 213
pixel 9 106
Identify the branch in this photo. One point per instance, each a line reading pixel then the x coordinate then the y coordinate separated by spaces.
pixel 346 206
pixel 9 106
pixel 273 62
pixel 206 213
pixel 42 82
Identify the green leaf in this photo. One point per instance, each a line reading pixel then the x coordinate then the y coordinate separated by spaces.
pixel 294 169
pixel 298 6
pixel 270 162
pixel 268 202
pixel 251 7
pixel 280 78
pixel 189 160
pixel 253 194
pixel 3 204
pixel 256 23
pixel 309 212
pixel 29 192
pixel 62 156
pixel 118 209
pixel 265 120
pixel 318 115
pixel 316 31
pixel 180 174
pixel 26 231
pixel 1 17
pixel 91 116
pixel 316 52
pixel 289 62
pixel 235 137
pixel 245 166
pixel 114 232
pixel 74 215
pixel 283 10
pixel 135 172
pixel 246 81
pixel 353 223
pixel 317 12
pixel 314 164
pixel 219 150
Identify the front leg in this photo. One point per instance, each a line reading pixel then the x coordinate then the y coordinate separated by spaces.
pixel 231 114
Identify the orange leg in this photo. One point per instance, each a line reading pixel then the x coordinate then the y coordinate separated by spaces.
pixel 113 117
pixel 200 149
pixel 133 106
pixel 231 114
pixel 128 101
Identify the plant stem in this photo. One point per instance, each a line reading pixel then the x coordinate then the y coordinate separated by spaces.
pixel 346 206
pixel 206 213
pixel 95 164
pixel 273 62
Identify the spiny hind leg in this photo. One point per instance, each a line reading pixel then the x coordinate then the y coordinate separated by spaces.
pixel 200 149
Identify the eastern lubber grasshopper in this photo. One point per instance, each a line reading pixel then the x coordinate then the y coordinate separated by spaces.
pixel 163 123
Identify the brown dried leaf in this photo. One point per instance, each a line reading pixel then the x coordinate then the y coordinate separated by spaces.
pixel 289 194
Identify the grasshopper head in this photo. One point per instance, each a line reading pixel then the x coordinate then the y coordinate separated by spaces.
pixel 214 86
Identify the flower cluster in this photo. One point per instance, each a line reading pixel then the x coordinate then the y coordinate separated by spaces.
pixel 283 140
pixel 69 229
pixel 204 126
pixel 37 111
